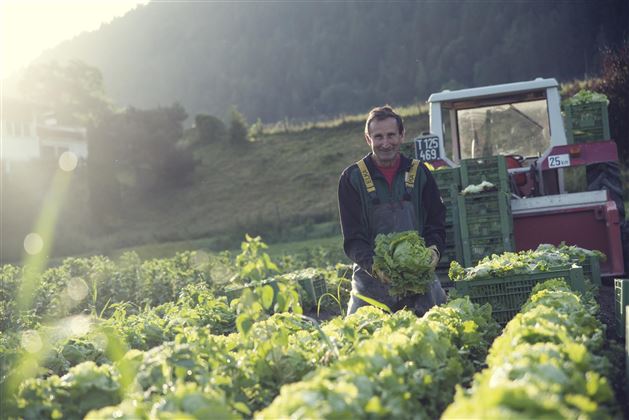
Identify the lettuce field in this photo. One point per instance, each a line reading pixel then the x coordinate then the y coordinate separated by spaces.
pixel 231 337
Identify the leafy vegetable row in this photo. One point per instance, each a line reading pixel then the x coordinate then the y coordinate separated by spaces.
pixel 544 365
pixel 96 284
pixel 232 376
pixel 243 371
pixel 407 370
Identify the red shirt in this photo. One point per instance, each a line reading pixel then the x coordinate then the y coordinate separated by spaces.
pixel 390 171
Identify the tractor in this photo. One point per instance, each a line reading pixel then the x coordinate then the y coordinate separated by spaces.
pixel 523 122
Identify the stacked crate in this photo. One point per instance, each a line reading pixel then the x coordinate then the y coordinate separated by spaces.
pixel 485 220
pixel 621 300
pixel 507 294
pixel 592 269
pixel 492 169
pixel 587 122
pixel 449 184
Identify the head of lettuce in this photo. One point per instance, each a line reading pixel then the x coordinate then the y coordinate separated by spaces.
pixel 405 261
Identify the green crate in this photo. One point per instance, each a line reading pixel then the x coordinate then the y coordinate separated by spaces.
pixel 475 249
pixel 587 122
pixel 492 169
pixel 452 235
pixel 485 225
pixel 449 198
pixel 446 178
pixel 507 295
pixel 484 204
pixel 442 275
pixel 313 286
pixel 592 269
pixel 621 300
pixel 450 253
pixel 449 203
pixel 488 226
pixel 311 282
pixel 234 293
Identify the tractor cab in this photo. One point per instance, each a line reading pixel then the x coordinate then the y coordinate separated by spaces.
pixel 523 122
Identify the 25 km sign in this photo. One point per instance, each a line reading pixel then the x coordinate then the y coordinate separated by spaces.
pixel 559 161
pixel 427 148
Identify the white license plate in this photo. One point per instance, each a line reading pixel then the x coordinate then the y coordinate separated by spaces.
pixel 559 161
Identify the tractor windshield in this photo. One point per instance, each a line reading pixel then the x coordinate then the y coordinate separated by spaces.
pixel 519 128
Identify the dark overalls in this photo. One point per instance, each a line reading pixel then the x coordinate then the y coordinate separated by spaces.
pixel 386 218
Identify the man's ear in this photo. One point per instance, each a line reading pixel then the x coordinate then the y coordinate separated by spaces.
pixel 367 139
pixel 402 135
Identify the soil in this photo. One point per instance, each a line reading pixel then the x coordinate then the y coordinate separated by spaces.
pixel 616 350
pixel 605 300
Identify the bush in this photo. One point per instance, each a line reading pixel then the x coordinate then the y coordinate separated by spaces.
pixel 615 84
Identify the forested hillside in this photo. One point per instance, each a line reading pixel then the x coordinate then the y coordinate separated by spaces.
pixel 304 60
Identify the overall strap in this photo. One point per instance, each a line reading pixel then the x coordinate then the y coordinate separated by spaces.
pixel 409 179
pixel 371 188
pixel 366 176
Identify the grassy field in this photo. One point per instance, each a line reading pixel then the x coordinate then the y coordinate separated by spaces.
pixel 283 187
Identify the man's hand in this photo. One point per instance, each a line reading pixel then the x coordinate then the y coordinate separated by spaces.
pixel 380 275
pixel 435 256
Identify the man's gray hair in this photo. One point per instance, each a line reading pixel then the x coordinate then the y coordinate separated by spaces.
pixel 382 113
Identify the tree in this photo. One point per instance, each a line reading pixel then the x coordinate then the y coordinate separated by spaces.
pixel 615 84
pixel 256 129
pixel 139 151
pixel 74 92
pixel 210 129
pixel 238 131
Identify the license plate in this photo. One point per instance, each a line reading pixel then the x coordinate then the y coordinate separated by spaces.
pixel 559 161
pixel 427 148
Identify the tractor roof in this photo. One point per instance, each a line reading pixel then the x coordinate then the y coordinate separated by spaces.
pixel 487 92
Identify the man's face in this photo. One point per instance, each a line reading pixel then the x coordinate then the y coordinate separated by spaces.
pixel 384 140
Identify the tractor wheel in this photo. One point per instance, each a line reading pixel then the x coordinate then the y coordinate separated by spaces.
pixel 606 176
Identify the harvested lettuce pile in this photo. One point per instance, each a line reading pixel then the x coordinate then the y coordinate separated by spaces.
pixel 478 188
pixel 585 96
pixel 546 257
pixel 404 258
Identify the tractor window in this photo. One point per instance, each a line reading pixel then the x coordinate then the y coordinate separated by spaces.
pixel 447 133
pixel 511 129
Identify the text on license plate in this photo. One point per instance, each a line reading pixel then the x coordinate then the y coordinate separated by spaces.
pixel 559 161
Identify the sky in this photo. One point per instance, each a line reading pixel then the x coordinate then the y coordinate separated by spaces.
pixel 29 27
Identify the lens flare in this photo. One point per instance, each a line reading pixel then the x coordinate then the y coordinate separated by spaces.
pixel 68 161
pixel 77 289
pixel 101 340
pixel 33 243
pixel 79 325
pixel 31 341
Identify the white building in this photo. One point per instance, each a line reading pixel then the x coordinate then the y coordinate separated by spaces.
pixel 54 139
pixel 27 135
pixel 19 132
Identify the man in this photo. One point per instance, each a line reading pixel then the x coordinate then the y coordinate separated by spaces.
pixel 388 192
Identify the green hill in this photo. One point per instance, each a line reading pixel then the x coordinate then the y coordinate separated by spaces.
pixel 279 182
